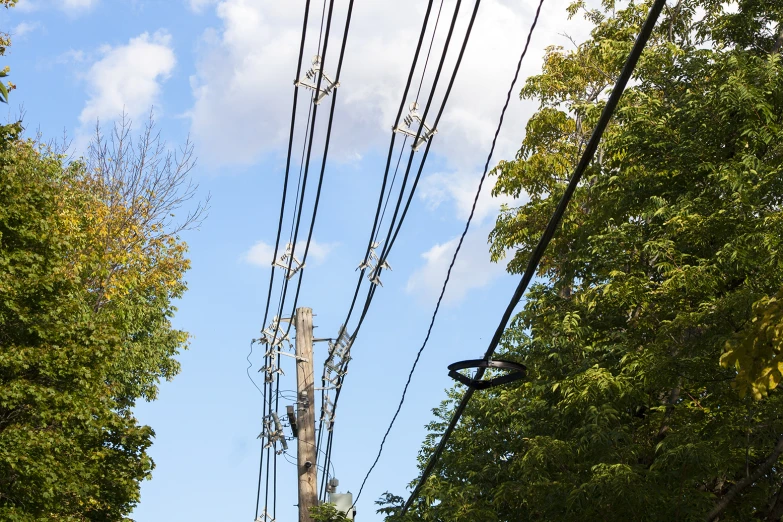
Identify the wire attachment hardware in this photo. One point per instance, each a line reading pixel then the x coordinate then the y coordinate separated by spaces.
pixel 516 372
pixel 426 132
pixel 273 432
pixel 335 368
pixel 310 81
pixel 372 263
pixel 264 517
pixel 285 262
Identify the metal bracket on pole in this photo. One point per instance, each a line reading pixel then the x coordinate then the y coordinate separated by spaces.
pixel 372 263
pixel 335 368
pixel 311 81
pixel 264 517
pixel 289 262
pixel 273 432
pixel 425 134
pixel 273 335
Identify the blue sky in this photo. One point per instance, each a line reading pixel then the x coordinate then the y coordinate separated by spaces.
pixel 221 72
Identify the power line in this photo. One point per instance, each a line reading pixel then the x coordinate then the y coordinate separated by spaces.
pixel 385 175
pixel 535 258
pixel 326 149
pixel 388 243
pixel 389 156
pixel 373 287
pixel 456 252
pixel 307 164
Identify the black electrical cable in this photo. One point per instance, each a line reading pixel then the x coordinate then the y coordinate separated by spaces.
pixel 326 151
pixel 391 151
pixel 456 252
pixel 285 185
pixel 386 170
pixel 388 242
pixel 261 460
pixel 535 258
pixel 280 222
pixel 371 292
pixel 418 93
pixel 307 162
pixel 274 473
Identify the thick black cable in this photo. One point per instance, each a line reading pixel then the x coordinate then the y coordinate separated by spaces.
pixel 429 51
pixel 261 460
pixel 388 243
pixel 371 292
pixel 386 170
pixel 307 161
pixel 268 448
pixel 274 473
pixel 285 187
pixel 391 187
pixel 326 151
pixel 554 222
pixel 418 93
pixel 391 151
pixel 456 252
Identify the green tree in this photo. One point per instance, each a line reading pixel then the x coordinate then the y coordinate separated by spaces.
pixel 89 268
pixel 328 513
pixel 5 42
pixel 669 262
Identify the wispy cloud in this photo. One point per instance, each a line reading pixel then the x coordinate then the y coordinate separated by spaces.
pixel 260 254
pixel 473 269
pixel 25 28
pixel 127 77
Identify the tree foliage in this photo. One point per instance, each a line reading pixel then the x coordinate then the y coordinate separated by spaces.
pixel 328 513
pixel 89 269
pixel 657 306
pixel 5 42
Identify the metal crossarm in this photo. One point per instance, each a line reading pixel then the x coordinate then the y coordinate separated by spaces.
pixel 264 517
pixel 371 263
pixel 273 336
pixel 424 134
pixel 284 262
pixel 310 81
pixel 273 432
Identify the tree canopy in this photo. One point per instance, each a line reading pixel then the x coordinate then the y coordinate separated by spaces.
pixel 90 265
pixel 653 335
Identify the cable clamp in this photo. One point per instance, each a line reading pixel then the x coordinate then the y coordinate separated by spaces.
pixel 424 131
pixel 310 81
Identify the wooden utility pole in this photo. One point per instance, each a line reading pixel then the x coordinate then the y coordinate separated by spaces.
pixel 306 455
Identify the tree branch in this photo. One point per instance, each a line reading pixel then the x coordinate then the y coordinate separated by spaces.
pixel 747 481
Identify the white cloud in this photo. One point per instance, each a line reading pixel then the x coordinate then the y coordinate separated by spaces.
pixel 473 268
pixel 25 28
pixel 460 188
pixel 78 4
pixel 261 253
pixel 128 77
pixel 71 7
pixel 198 6
pixel 243 84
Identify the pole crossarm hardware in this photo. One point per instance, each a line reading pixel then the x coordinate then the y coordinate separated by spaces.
pixel 273 336
pixel 423 135
pixel 310 81
pixel 273 432
pixel 285 262
pixel 265 517
pixel 372 263
pixel 335 369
